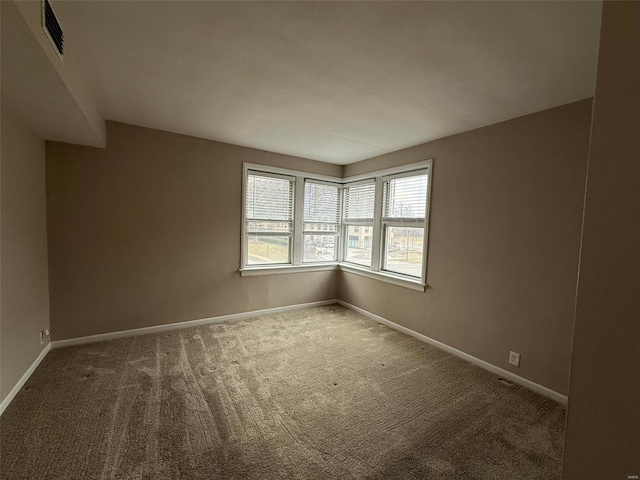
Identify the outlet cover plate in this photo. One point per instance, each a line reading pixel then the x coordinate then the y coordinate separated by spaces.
pixel 514 358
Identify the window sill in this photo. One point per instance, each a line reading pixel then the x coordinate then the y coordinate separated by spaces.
pixel 278 269
pixel 384 277
pixel 380 276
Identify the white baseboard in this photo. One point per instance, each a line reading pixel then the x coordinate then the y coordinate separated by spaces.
pixel 14 391
pixel 186 324
pixel 142 331
pixel 542 390
pixel 547 392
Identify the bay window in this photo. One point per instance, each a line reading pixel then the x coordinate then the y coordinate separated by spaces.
pixel 374 225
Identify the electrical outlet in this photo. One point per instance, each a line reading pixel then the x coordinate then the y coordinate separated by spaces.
pixel 41 337
pixel 514 358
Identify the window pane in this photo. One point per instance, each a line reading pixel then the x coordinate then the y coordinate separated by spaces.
pixel 319 248
pixel 269 227
pixel 359 202
pixel 321 203
pixel 320 227
pixel 358 249
pixel 269 198
pixel 404 250
pixel 266 249
pixel 405 197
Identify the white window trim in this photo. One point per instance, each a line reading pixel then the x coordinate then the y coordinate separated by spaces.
pixel 276 269
pixel 298 225
pixel 422 165
pixel 405 222
pixel 358 222
pixel 328 233
pixel 384 276
pixel 297 265
pixel 280 173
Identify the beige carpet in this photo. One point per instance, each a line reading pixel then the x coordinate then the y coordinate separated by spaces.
pixel 320 393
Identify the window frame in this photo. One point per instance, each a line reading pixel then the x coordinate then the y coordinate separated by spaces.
pixel 297 236
pixel 421 222
pixel 356 222
pixel 378 226
pixel 290 234
pixel 323 232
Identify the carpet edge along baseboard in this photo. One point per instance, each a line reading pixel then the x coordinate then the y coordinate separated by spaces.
pixel 541 389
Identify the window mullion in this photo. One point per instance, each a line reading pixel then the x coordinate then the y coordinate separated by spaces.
pixel 409 223
pixel 376 250
pixel 298 221
pixel 244 257
pixel 342 240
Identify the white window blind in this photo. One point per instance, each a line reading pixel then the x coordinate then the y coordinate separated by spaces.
pixel 269 203
pixel 321 221
pixel 375 223
pixel 269 218
pixel 404 203
pixel 359 207
pixel 405 198
pixel 359 201
pixel 321 203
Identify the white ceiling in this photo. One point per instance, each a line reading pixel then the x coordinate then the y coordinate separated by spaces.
pixel 337 82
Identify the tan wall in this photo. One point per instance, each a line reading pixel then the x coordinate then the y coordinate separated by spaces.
pixel 504 241
pixel 603 425
pixel 24 308
pixel 147 232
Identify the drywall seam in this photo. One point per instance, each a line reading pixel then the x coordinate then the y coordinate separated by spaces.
pixel 542 390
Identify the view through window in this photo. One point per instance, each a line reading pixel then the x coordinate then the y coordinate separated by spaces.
pixel 378 224
pixel 269 218
pixel 359 202
pixel 404 209
pixel 321 221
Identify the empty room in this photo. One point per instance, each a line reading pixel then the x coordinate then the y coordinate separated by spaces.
pixel 320 240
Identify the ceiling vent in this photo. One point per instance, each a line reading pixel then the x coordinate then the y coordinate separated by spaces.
pixel 52 28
